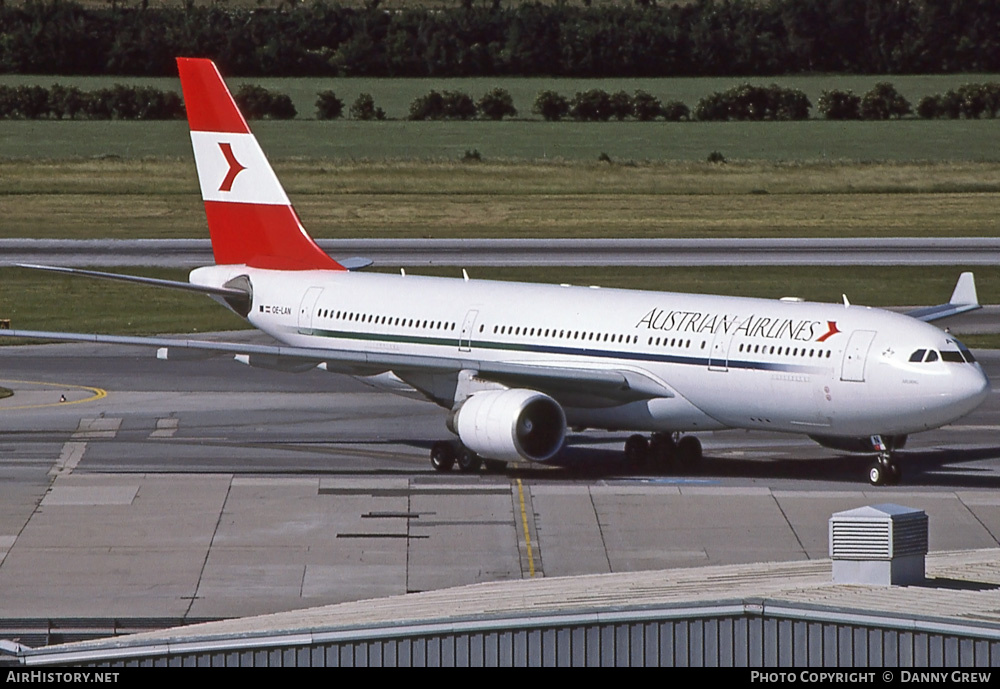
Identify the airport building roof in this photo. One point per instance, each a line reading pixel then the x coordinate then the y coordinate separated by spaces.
pixel 962 589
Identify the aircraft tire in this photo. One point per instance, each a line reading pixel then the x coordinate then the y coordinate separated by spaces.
pixel 895 474
pixel 468 461
pixel 689 452
pixel 442 456
pixel 662 449
pixel 636 450
pixel 495 466
pixel 876 474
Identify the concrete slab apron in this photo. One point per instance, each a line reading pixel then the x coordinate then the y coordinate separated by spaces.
pixel 113 546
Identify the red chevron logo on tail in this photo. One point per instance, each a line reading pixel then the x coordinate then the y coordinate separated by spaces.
pixel 234 167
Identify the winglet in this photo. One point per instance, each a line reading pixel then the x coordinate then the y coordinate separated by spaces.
pixel 965 290
pixel 250 219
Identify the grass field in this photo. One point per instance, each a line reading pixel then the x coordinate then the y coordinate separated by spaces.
pixel 403 179
pixel 33 300
pixel 156 198
pixel 812 140
pixel 528 137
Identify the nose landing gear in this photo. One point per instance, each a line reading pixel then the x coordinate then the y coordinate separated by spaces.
pixel 885 470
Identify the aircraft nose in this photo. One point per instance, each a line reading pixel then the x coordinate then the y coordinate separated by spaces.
pixel 974 386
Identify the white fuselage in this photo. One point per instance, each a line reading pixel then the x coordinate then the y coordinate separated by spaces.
pixel 723 362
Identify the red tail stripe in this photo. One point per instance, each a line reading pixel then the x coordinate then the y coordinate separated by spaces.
pixel 210 107
pixel 263 236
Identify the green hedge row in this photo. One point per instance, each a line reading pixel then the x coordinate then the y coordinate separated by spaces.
pixel 742 102
pixel 115 103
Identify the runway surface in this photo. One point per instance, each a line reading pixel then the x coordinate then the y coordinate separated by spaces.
pixel 188 490
pixel 189 253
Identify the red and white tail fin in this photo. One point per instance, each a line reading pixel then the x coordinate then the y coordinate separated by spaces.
pixel 250 218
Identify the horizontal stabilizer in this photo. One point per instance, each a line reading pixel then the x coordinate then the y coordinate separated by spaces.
pixel 154 282
pixel 356 263
pixel 963 299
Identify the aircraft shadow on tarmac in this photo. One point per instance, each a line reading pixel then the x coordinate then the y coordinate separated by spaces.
pixel 931 467
pixel 590 458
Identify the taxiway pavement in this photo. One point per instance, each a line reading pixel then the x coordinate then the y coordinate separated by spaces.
pixel 192 490
pixel 189 253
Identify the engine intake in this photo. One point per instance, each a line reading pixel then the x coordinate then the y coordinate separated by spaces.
pixel 510 424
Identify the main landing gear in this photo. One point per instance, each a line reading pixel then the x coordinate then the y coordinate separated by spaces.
pixel 446 454
pixel 663 449
pixel 885 470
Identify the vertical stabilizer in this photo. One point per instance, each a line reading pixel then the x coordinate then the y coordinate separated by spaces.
pixel 250 219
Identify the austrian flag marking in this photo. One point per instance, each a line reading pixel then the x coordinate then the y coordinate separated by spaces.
pixel 235 167
pixel 832 325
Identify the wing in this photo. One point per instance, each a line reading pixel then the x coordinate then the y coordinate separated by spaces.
pixel 963 299
pixel 614 386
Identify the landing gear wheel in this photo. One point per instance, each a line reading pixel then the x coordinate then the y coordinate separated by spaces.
pixel 662 448
pixel 876 474
pixel 885 471
pixel 442 456
pixel 896 473
pixel 636 450
pixel 469 461
pixel 495 466
pixel 688 452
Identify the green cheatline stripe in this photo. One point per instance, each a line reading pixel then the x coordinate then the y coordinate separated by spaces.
pixel 551 349
pixel 411 339
pixel 374 337
pixel 454 342
pixel 487 344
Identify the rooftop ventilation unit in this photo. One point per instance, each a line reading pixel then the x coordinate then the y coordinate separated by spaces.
pixel 880 545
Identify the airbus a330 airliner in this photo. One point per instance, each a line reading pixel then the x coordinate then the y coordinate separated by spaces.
pixel 517 364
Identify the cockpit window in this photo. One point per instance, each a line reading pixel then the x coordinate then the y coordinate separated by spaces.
pixel 965 352
pixel 963 355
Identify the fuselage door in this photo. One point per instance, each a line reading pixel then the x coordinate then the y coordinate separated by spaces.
pixel 465 337
pixel 856 355
pixel 307 309
pixel 718 357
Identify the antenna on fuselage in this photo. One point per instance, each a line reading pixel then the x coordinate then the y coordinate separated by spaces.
pixel 465 274
pixel 847 304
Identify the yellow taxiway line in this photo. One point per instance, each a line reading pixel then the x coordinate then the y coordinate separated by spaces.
pixel 527 534
pixel 98 393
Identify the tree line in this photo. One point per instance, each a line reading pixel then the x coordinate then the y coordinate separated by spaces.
pixel 701 38
pixel 744 102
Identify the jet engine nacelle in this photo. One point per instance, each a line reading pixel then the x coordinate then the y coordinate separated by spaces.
pixel 864 445
pixel 510 425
